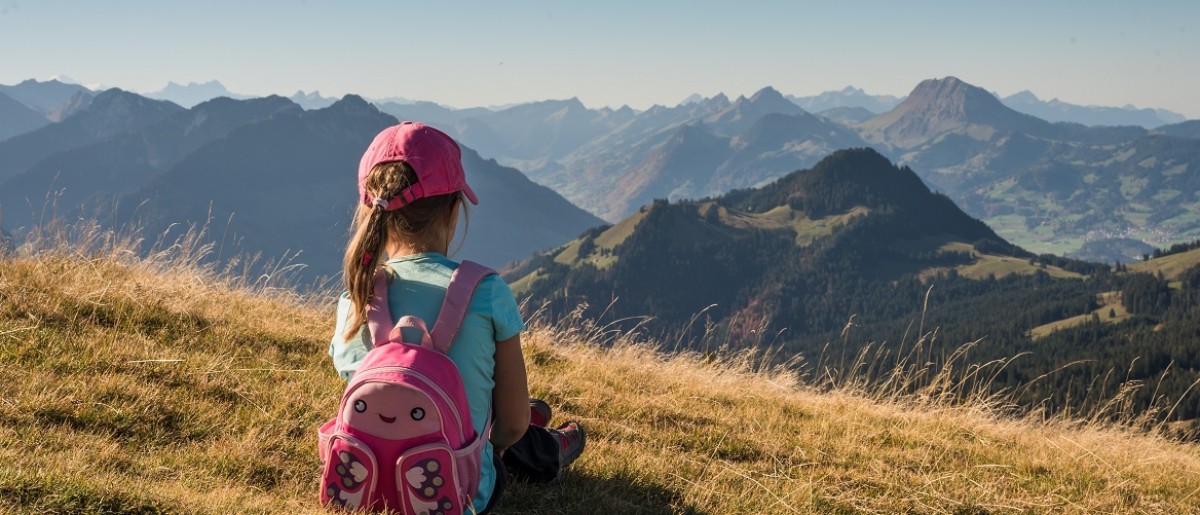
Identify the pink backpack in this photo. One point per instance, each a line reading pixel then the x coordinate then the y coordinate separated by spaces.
pixel 403 438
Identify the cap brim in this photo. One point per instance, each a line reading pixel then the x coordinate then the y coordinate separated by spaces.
pixel 470 194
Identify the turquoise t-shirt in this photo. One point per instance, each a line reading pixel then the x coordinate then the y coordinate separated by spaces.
pixel 493 316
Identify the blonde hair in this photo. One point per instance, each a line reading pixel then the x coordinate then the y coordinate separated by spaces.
pixel 416 223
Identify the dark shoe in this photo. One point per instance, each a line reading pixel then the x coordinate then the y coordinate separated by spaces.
pixel 571 440
pixel 539 413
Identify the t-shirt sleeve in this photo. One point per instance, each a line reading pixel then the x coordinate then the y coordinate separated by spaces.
pixel 506 316
pixel 347 354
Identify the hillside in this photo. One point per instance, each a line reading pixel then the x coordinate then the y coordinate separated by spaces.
pixel 858 244
pixel 155 387
pixel 764 251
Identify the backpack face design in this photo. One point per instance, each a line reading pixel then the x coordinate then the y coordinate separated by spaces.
pixel 403 439
pixel 391 411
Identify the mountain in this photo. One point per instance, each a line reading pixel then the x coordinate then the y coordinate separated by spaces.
pixel 1056 110
pixel 949 106
pixel 192 93
pixel 695 161
pixel 312 100
pixel 849 96
pixel 847 115
pixel 1188 129
pixel 527 136
pixel 295 193
pixel 758 250
pixel 16 118
pixel 857 257
pixel 431 113
pixel 744 112
pixel 43 97
pixel 110 114
pixel 1062 188
pixel 692 99
pixel 85 181
pixel 78 102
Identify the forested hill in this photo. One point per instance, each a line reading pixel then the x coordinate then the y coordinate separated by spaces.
pixel 858 243
pixel 758 254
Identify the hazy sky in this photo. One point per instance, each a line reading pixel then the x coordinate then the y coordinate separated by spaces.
pixel 614 52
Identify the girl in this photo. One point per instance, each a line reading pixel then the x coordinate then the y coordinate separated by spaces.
pixel 411 187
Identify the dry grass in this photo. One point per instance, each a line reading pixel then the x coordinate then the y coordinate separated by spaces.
pixel 146 386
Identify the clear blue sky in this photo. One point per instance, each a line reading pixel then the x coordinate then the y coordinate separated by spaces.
pixel 614 52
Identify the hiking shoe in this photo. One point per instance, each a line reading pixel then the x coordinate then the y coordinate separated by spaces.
pixel 539 413
pixel 571 440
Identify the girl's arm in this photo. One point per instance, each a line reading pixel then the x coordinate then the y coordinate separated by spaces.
pixel 510 398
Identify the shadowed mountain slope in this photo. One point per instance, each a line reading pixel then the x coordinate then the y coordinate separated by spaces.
pixel 16 118
pixel 87 180
pixel 110 114
pixel 295 193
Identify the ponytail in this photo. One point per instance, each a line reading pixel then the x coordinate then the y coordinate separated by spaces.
pixel 361 259
pixel 373 226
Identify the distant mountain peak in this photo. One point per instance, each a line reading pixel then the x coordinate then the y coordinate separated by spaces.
pixel 207 84
pixel 767 94
pixel 938 106
pixel 312 100
pixel 111 96
pixel 949 87
pixel 1056 110
pixel 848 96
pixel 1023 96
pixel 353 105
pixel 34 82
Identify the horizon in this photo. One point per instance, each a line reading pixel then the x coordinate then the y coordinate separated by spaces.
pixel 1102 54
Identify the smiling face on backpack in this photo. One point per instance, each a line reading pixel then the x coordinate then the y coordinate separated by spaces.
pixel 391 411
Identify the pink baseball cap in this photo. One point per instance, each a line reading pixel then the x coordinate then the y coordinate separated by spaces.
pixel 433 155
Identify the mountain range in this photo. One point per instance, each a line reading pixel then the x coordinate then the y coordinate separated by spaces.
pixel 132 162
pixel 1052 187
pixel 1064 188
pixel 1097 192
pixel 1055 110
pixel 848 97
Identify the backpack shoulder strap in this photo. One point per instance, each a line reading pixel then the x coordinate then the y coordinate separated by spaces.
pixel 379 318
pixel 458 298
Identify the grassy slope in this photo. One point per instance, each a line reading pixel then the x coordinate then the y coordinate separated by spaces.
pixel 225 422
pixel 1110 304
pixel 1171 266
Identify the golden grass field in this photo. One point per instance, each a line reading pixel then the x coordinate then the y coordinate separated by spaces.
pixel 159 386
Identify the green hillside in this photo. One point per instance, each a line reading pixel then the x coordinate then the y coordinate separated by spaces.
pixel 858 244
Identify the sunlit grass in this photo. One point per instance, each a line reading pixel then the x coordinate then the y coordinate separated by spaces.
pixel 159 385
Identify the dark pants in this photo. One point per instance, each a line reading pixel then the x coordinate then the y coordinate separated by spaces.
pixel 534 458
